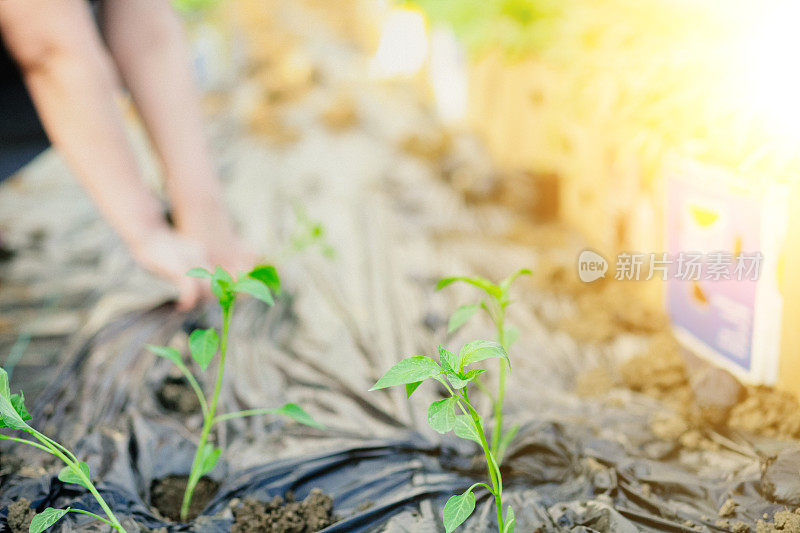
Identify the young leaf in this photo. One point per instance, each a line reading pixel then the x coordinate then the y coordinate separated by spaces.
pixel 255 288
pixel 199 273
pixel 296 413
pixel 465 429
pixel 67 475
pixel 9 417
pixel 167 353
pixel 459 381
pixel 408 370
pixel 203 344
pixel 411 387
pixel 18 402
pixel 448 360
pixel 267 275
pixel 222 275
pixel 506 283
pixel 5 387
pixel 510 521
pixel 482 283
pixel 475 351
pixel 461 315
pixel 45 519
pixel 209 458
pixel 457 510
pixel 442 416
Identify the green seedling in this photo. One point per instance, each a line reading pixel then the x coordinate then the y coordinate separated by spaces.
pixel 309 234
pixel 261 282
pixel 495 303
pixel 14 415
pixel 457 414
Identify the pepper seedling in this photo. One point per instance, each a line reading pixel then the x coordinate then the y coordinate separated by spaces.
pixel 261 282
pixel 14 415
pixel 495 304
pixel 456 413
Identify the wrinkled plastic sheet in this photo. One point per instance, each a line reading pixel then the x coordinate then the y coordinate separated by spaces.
pixel 558 478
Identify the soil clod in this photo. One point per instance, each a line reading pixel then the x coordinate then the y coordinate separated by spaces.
pixel 20 515
pixel 285 516
pixel 166 495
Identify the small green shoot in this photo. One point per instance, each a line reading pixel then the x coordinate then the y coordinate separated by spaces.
pixel 14 415
pixel 308 234
pixel 262 283
pixel 495 303
pixel 456 413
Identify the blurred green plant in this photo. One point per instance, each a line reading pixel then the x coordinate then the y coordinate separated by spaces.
pixel 308 234
pixel 13 415
pixel 516 26
pixel 261 282
pixel 495 303
pixel 191 6
pixel 457 414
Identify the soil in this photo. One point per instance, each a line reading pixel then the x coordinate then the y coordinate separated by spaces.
pixel 166 495
pixel 20 515
pixel 782 521
pixel 175 394
pixel 285 516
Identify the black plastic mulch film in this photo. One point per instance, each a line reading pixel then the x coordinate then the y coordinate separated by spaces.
pixel 559 476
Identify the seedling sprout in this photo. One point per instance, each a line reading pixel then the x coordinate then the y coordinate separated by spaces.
pixel 495 304
pixel 261 282
pixel 13 415
pixel 457 414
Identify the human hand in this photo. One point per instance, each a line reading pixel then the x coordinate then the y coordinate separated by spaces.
pixel 223 247
pixel 170 256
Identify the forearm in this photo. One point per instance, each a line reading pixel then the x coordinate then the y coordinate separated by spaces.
pixel 75 98
pixel 146 39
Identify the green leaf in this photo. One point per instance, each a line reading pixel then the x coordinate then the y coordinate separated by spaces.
pixel 461 315
pixel 296 413
pixel 511 335
pixel 411 387
pixel 9 416
pixel 459 381
pixel 67 475
pixel 465 429
pixel 46 518
pixel 203 344
pixel 457 510
pixel 268 275
pixel 448 360
pixel 510 521
pixel 222 275
pixel 442 416
pixel 199 273
pixel 5 387
pixel 482 283
pixel 409 370
pixel 18 402
pixel 254 288
pixel 475 351
pixel 506 283
pixel 167 353
pixel 209 458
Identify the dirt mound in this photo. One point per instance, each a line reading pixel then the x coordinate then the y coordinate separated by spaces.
pixel 20 515
pixel 289 516
pixel 166 495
